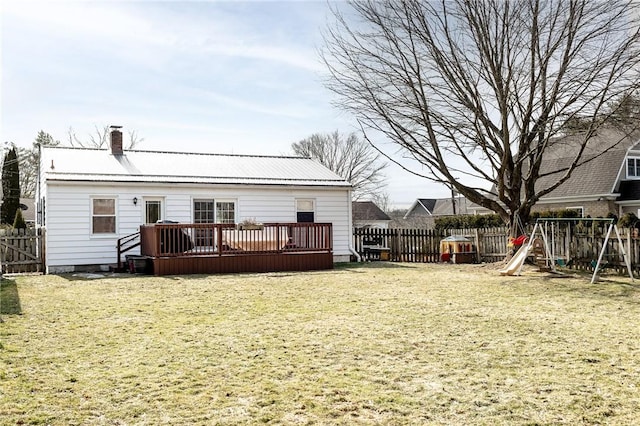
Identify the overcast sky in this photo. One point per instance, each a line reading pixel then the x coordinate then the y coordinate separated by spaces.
pixel 217 76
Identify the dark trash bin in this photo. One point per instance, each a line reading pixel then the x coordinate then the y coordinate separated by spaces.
pixel 137 264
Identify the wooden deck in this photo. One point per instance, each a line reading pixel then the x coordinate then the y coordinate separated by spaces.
pixel 176 249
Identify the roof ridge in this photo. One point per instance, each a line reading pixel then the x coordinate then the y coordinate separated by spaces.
pixel 144 151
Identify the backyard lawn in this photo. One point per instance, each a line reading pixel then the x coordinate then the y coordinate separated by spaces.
pixel 362 344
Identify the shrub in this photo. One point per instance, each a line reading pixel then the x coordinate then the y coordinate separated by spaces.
pixel 629 220
pixel 469 221
pixel 558 214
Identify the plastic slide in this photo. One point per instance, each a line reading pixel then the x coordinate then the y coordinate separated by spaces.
pixel 517 260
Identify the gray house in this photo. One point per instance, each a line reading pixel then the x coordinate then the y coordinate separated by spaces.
pixel 366 214
pixel 609 183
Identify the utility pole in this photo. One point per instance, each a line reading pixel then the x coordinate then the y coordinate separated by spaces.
pixel 453 200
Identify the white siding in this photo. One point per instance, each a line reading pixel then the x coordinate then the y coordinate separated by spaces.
pixel 68 213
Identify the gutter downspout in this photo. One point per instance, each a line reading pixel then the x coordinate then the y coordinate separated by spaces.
pixel 351 248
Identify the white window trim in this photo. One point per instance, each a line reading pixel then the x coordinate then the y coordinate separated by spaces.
pixel 215 201
pixel 202 199
pixel 626 164
pixel 313 203
pixel 225 200
pixel 579 208
pixel 314 208
pixel 103 235
pixel 144 207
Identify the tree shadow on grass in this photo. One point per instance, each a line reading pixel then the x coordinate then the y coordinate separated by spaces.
pixel 9 298
pixel 608 286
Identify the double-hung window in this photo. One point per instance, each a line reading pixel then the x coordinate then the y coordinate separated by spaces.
pixel 305 211
pixel 103 215
pixel 633 167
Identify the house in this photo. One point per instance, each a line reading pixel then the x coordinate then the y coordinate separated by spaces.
pixel 89 198
pixel 428 207
pixel 608 184
pixel 27 205
pixel 424 211
pixel 366 214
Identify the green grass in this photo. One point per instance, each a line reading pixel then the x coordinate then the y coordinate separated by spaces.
pixel 371 344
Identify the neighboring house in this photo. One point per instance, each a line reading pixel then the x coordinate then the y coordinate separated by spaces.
pixel 28 207
pixel 607 184
pixel 89 198
pixel 437 207
pixel 424 211
pixel 366 214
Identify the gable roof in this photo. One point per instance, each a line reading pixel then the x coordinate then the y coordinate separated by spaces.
pixel 421 207
pixel 444 206
pixel 427 203
pixel 436 207
pixel 367 210
pixel 99 165
pixel 596 178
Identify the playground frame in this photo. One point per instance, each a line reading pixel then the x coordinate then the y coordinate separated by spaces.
pixel 547 228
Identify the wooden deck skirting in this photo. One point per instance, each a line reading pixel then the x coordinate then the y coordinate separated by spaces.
pixel 175 249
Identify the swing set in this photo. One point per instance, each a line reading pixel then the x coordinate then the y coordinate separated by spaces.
pixel 544 240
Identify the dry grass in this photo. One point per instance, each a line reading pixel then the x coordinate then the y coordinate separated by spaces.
pixel 374 344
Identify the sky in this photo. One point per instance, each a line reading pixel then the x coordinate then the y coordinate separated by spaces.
pixel 234 77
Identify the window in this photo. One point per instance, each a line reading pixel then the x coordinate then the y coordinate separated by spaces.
pixel 210 211
pixel 633 167
pixel 103 215
pixel 305 211
pixel 579 209
pixel 203 211
pixel 152 210
pixel 225 212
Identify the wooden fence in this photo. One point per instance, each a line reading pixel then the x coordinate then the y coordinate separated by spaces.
pixel 404 245
pixel 490 243
pixel 21 250
pixel 575 245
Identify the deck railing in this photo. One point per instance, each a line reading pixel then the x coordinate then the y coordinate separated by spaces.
pixel 211 239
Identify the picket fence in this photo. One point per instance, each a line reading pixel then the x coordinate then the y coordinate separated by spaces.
pixel 576 246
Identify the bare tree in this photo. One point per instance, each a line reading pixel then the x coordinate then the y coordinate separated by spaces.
pixel 29 159
pixel 382 200
pixel 352 158
pixel 100 138
pixel 479 90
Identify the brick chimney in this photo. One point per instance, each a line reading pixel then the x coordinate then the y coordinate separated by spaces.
pixel 116 140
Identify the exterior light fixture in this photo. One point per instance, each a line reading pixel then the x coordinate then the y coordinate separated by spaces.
pixel 135 201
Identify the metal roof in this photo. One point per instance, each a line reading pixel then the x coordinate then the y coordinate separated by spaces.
pixel 99 165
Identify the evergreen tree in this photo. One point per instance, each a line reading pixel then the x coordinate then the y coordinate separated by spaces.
pixel 29 162
pixel 10 187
